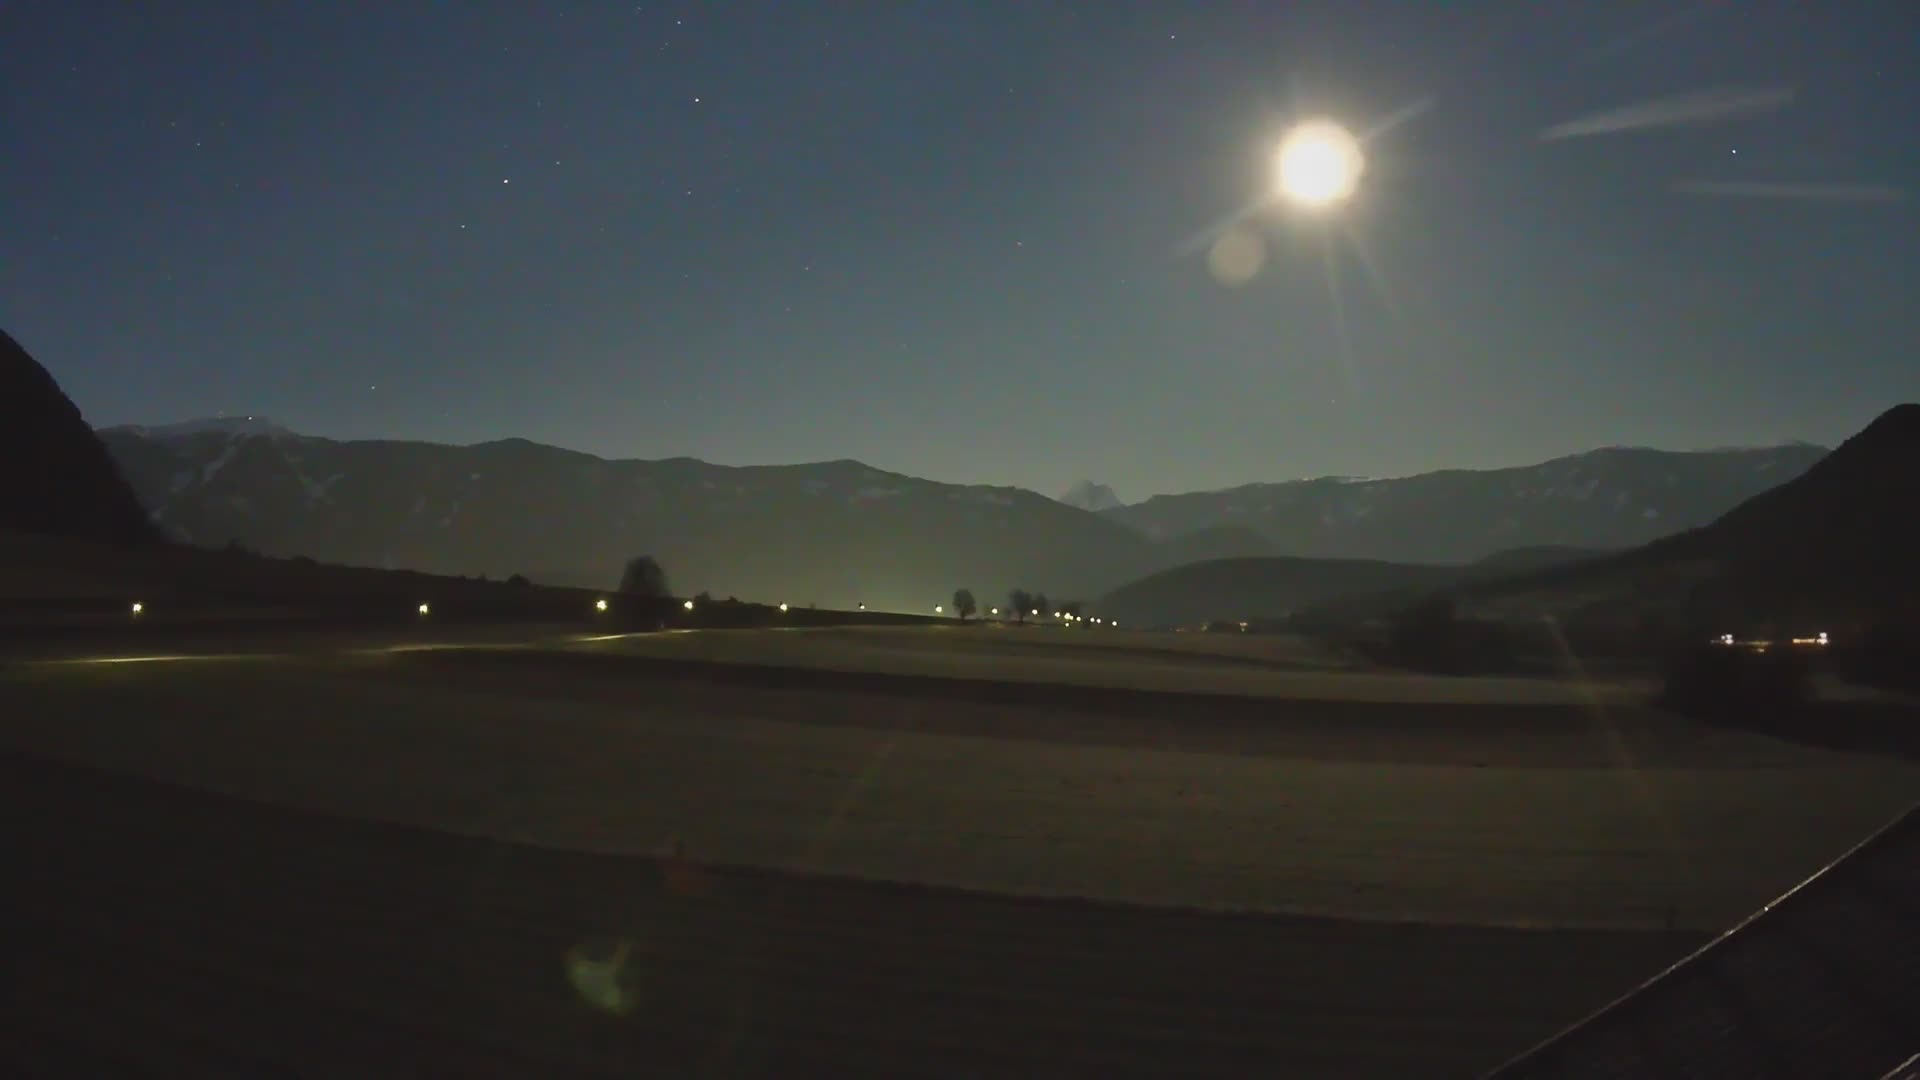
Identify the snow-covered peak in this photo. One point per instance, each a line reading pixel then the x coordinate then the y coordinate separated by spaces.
pixel 1087 495
pixel 226 425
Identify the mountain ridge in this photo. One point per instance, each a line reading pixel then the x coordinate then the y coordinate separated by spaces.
pixel 1606 498
pixel 840 532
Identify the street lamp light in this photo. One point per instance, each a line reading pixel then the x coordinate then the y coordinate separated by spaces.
pixel 425 609
pixel 688 605
pixel 600 605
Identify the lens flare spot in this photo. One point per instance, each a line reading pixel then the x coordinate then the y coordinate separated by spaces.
pixel 602 976
pixel 1236 256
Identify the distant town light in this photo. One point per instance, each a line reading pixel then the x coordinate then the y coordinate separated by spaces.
pixel 1036 613
pixel 1822 638
pixel 939 609
pixel 993 611
pixel 424 609
pixel 600 605
pixel 688 605
pixel 138 607
pixel 783 607
pixel 863 607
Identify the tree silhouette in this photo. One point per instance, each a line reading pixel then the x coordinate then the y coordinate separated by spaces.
pixel 963 604
pixel 643 577
pixel 1020 600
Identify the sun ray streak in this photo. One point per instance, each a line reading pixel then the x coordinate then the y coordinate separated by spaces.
pixel 1376 276
pixel 1334 294
pixel 1405 114
pixel 1200 241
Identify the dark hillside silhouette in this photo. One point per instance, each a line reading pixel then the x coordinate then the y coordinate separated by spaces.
pixel 55 476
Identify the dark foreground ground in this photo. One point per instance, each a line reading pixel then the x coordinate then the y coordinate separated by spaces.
pixel 156 930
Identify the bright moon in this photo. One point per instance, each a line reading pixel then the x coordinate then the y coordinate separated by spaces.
pixel 1319 164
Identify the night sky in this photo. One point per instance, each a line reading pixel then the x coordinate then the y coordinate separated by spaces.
pixel 952 239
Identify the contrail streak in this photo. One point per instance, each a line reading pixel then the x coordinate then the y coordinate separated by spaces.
pixel 1834 193
pixel 1678 110
pixel 1411 111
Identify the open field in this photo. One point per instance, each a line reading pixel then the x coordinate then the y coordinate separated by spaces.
pixel 1281 666
pixel 1518 815
pixel 163 932
pixel 939 850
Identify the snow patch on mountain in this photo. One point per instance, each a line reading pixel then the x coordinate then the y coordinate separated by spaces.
pixel 1087 495
pixel 212 468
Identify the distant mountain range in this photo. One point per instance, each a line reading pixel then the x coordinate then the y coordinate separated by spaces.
pixel 841 532
pixel 1608 498
pixel 838 533
pixel 224 425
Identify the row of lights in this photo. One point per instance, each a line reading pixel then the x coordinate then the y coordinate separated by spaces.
pixel 1818 640
pixel 138 608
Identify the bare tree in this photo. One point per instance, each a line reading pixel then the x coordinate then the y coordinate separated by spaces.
pixel 963 604
pixel 643 577
pixel 1020 600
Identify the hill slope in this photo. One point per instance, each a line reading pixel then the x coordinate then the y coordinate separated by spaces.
pixel 56 477
pixel 1275 587
pixel 1611 498
pixel 1837 542
pixel 1260 588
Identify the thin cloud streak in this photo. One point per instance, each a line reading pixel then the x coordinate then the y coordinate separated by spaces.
pixel 1833 193
pixel 1679 110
